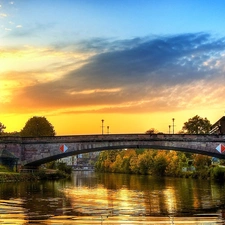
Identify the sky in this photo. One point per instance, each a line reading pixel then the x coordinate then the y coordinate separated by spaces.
pixel 135 64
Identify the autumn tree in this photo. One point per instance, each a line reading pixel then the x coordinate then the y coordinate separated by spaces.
pixel 145 162
pixel 176 161
pixel 37 127
pixel 160 163
pixel 197 125
pixel 117 165
pixel 201 161
pixel 134 164
pixel 2 127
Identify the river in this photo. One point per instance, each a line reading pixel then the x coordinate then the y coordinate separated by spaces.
pixel 92 198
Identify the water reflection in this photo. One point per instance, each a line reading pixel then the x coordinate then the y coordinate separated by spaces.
pixel 91 198
pixel 144 195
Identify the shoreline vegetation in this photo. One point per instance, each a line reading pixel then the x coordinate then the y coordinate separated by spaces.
pixel 40 175
pixel 161 163
pixel 60 171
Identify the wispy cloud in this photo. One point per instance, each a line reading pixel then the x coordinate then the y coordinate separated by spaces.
pixel 33 30
pixel 3 15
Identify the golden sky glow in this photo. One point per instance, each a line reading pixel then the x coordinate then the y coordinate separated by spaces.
pixel 76 64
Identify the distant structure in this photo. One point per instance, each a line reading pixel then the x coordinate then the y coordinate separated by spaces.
pixel 8 159
pixel 82 161
pixel 218 127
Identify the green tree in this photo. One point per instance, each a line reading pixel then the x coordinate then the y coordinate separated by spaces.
pixel 197 125
pixel 2 127
pixel 37 127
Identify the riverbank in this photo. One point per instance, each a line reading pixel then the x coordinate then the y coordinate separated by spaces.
pixel 39 175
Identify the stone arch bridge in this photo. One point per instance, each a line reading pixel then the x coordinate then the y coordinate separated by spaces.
pixel 32 152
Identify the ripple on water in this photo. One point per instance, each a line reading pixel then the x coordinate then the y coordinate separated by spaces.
pixel 12 211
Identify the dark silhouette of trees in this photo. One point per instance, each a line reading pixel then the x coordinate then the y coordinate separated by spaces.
pixel 37 127
pixel 197 125
pixel 2 127
pixel 152 131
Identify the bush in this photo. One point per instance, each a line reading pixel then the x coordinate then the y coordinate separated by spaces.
pixel 218 173
pixel 64 168
pixel 3 169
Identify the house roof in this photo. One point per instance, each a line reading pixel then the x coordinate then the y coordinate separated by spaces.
pixel 221 119
pixel 4 153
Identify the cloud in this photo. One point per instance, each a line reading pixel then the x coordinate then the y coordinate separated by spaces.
pixel 3 15
pixel 138 75
pixel 34 30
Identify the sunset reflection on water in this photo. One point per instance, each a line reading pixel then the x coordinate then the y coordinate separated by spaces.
pixel 101 201
pixel 12 211
pixel 91 198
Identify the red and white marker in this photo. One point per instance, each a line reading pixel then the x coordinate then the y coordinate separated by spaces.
pixel 220 148
pixel 63 148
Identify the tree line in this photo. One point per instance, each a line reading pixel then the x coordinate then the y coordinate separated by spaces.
pixel 153 162
pixel 164 162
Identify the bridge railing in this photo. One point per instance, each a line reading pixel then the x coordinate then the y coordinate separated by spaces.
pixel 112 137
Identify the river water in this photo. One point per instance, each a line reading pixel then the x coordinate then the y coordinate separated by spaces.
pixel 92 198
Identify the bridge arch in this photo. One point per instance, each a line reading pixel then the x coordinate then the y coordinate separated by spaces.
pixel 203 148
pixel 36 151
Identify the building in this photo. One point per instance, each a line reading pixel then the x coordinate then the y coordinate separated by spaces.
pixel 8 159
pixel 81 161
pixel 218 127
pixel 70 160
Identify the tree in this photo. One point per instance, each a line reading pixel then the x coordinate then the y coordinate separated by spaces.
pixel 201 161
pixel 197 125
pixel 37 127
pixel 2 127
pixel 151 131
pixel 160 163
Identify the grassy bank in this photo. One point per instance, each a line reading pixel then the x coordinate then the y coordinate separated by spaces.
pixel 40 175
pixel 61 171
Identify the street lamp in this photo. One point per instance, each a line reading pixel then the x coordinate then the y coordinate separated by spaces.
pixel 173 125
pixel 102 127
pixel 169 128
pixel 107 129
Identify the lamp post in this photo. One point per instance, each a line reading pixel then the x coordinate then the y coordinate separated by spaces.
pixel 102 127
pixel 173 125
pixel 169 128
pixel 107 129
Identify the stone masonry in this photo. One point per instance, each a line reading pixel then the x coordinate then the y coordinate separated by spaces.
pixel 36 151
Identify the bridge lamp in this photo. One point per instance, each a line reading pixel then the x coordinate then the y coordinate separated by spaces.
pixel 169 128
pixel 173 125
pixel 102 126
pixel 107 129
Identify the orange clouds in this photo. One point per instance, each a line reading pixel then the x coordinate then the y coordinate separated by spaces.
pixel 158 77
